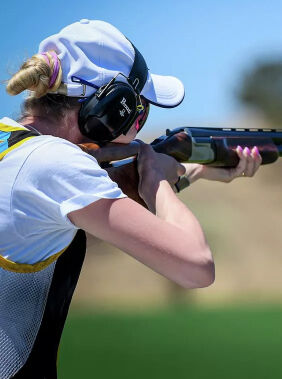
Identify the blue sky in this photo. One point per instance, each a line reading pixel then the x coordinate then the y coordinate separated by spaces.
pixel 208 44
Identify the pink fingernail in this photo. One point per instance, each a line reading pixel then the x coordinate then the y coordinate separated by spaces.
pixel 239 148
pixel 256 150
pixel 247 150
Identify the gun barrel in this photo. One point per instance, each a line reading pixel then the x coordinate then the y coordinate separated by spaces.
pixel 274 134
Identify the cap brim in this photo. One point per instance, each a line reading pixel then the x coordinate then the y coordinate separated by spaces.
pixel 163 91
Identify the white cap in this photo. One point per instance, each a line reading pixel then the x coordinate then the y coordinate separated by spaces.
pixel 96 51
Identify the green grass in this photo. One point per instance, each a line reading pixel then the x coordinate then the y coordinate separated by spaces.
pixel 237 343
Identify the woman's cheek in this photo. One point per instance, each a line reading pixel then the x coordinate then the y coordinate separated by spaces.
pixel 129 137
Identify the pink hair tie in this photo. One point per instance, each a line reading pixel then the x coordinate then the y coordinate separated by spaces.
pixel 56 67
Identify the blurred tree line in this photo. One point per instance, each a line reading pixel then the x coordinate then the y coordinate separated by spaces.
pixel 261 89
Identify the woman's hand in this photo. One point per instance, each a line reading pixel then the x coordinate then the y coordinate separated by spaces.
pixel 248 165
pixel 153 168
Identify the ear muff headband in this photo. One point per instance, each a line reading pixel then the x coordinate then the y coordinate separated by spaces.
pixel 113 108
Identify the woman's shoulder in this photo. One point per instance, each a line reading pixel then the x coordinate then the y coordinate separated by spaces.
pixel 10 125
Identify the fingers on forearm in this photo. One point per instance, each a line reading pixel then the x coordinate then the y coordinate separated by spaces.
pixel 250 161
pixel 253 161
pixel 241 167
pixel 257 158
pixel 249 169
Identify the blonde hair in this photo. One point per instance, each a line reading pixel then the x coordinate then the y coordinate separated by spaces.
pixel 34 75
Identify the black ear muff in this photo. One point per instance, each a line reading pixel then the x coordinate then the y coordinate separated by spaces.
pixel 113 108
pixel 109 112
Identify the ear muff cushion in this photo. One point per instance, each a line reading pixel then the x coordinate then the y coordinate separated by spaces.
pixel 114 108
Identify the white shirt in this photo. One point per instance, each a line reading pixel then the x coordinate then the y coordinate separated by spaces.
pixel 42 181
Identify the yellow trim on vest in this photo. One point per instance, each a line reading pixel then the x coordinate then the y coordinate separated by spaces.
pixel 25 268
pixel 9 128
pixel 2 155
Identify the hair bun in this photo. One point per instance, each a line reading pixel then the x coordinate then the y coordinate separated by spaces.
pixel 40 74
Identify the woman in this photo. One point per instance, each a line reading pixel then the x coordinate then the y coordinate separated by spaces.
pixel 88 82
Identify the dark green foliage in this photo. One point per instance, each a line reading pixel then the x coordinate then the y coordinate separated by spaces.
pixel 261 88
pixel 197 344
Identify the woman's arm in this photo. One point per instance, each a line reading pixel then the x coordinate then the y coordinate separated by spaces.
pixel 126 176
pixel 250 161
pixel 179 254
pixel 172 244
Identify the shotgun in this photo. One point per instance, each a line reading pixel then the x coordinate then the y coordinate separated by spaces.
pixel 209 146
pixel 216 146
